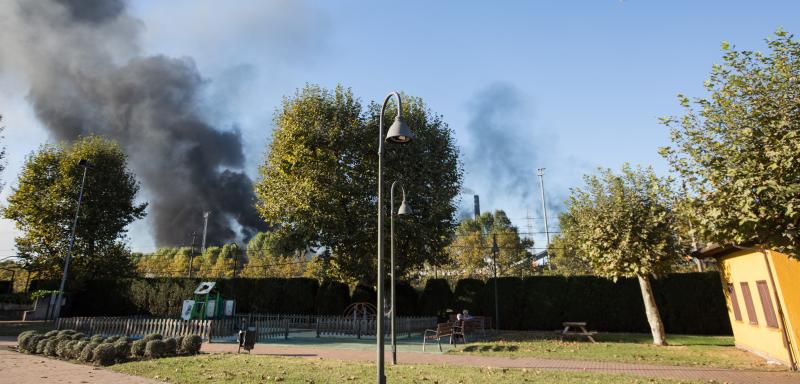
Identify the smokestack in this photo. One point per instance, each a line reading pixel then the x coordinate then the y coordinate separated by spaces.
pixel 477 206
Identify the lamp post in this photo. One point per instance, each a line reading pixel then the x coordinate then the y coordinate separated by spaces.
pixel 57 312
pixel 398 133
pixel 495 249
pixel 403 210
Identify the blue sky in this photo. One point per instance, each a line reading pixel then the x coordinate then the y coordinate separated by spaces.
pixel 565 85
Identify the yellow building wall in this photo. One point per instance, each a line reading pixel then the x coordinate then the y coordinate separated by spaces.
pixel 787 273
pixel 749 266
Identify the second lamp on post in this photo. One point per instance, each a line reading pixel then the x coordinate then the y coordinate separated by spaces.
pixel 404 210
pixel 398 133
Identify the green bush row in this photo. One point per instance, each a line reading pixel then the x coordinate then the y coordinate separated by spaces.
pixel 690 303
pixel 99 350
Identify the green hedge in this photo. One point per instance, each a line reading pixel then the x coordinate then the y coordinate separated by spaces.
pixel 468 295
pixel 691 303
pixel 332 298
pixel 436 299
pixel 364 294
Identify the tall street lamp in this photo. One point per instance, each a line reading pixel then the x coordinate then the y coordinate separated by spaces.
pixel 404 210
pixel 398 133
pixel 57 313
pixel 495 249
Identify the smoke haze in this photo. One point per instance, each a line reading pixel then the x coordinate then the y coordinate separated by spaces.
pixel 81 60
pixel 505 148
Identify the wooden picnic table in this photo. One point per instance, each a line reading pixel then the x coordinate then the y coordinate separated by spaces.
pixel 581 325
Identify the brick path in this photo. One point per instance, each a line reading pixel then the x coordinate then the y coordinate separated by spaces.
pixel 657 371
pixel 28 369
pixel 18 368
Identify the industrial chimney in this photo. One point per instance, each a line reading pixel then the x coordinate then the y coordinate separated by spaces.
pixel 477 206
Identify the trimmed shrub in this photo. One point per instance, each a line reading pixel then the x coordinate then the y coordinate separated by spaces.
pixel 179 345
pixel 436 299
pixel 191 344
pixel 75 353
pixel 23 340
pixel 170 346
pixel 332 298
pixel 97 339
pixel 41 344
pixel 111 339
pixel 137 347
pixel 50 347
pixel 78 336
pixel 123 350
pixel 87 353
pixel 154 349
pixel 104 354
pixel 62 348
pixel 65 334
pixel 52 333
pixel 152 336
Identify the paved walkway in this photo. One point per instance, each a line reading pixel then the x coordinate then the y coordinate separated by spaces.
pixel 19 368
pixel 28 369
pixel 657 371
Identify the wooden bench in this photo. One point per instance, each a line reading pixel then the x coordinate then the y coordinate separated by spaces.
pixel 575 324
pixel 442 330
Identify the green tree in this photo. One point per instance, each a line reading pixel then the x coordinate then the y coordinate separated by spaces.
pixel 43 207
pixel 564 258
pixel 739 149
pixel 318 182
pixel 624 226
pixel 471 248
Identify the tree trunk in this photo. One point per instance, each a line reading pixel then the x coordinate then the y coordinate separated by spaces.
pixel 651 309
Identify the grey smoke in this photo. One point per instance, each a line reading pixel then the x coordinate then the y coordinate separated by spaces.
pixel 86 76
pixel 506 149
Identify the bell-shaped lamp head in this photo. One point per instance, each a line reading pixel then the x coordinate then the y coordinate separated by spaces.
pixel 399 132
pixel 404 209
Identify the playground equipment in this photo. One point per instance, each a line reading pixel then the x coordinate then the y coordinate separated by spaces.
pixel 207 304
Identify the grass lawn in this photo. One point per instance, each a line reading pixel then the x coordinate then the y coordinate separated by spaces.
pixel 268 369
pixel 683 350
pixel 14 328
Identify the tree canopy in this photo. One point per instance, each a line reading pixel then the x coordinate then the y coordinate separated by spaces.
pixel 739 148
pixel 319 179
pixel 43 207
pixel 625 226
pixel 471 248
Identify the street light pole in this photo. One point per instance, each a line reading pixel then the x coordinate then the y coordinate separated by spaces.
pixel 205 229
pixel 191 253
pixel 403 210
pixel 398 133
pixel 57 312
pixel 495 249
pixel 540 173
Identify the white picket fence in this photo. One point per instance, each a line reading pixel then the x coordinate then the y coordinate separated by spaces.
pixel 226 330
pixel 360 326
pixel 136 327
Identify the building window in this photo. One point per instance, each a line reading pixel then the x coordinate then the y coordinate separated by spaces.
pixel 766 303
pixel 737 313
pixel 748 304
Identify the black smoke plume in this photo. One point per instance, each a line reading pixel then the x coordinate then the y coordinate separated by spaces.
pixel 86 76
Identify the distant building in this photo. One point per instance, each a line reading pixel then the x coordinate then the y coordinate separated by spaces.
pixel 762 289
